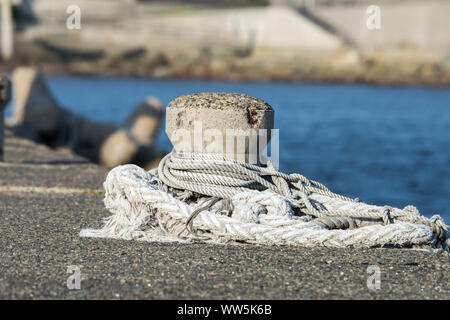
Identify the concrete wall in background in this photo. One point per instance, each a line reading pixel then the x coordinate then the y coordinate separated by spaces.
pixel 121 23
pixel 423 25
pixel 405 24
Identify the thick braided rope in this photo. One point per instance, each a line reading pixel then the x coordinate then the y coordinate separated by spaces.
pixel 216 176
pixel 140 208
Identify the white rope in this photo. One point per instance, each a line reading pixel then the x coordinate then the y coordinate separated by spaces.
pixel 208 197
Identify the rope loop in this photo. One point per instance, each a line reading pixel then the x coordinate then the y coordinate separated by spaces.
pixel 221 178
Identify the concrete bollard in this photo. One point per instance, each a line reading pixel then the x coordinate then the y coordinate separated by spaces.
pixel 5 96
pixel 234 125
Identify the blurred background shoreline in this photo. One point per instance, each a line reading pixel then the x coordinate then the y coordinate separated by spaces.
pixel 238 40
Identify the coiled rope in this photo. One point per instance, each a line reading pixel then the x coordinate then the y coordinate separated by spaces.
pixel 209 197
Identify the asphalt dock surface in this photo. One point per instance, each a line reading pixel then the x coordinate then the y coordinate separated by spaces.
pixel 47 196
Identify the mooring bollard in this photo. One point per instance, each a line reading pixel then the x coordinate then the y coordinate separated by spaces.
pixel 196 193
pixel 5 96
pixel 234 125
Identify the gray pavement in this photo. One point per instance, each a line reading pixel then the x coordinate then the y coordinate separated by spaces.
pixel 39 240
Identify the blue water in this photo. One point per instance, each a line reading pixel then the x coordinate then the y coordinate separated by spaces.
pixel 387 146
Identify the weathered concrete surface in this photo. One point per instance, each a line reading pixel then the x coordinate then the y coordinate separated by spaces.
pixel 39 240
pixel 219 123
